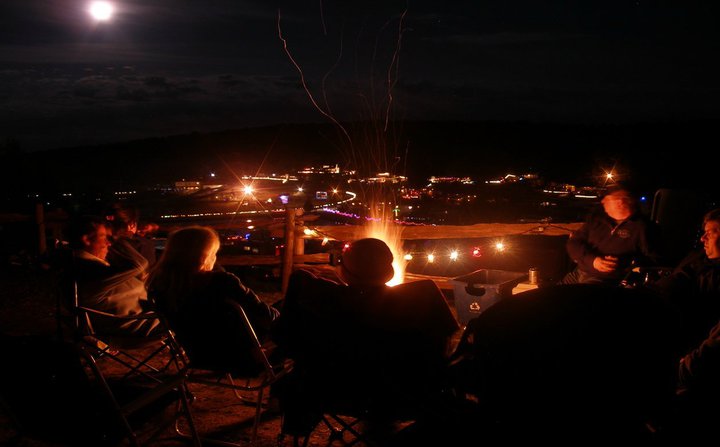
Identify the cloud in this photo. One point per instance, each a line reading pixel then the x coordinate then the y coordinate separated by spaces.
pixel 67 107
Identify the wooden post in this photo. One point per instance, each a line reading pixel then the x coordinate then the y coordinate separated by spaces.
pixel 299 248
pixel 287 262
pixel 40 221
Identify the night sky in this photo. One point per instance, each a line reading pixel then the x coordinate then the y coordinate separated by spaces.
pixel 166 67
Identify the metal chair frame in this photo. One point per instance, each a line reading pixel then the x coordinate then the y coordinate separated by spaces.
pixel 93 348
pixel 268 375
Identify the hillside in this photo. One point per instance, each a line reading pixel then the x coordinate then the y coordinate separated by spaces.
pixel 574 153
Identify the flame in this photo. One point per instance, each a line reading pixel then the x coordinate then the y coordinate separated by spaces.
pixel 389 232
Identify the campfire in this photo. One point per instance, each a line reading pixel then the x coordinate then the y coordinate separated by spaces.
pixel 389 232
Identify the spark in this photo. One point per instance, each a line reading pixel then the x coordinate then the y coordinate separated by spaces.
pixel 304 82
pixel 391 81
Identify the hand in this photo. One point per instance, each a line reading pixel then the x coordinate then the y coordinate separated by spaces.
pixel 605 264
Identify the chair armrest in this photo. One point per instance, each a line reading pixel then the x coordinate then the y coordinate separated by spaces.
pixel 149 315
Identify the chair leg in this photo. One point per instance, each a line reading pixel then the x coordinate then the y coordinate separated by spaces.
pixel 296 440
pixel 198 440
pixel 132 437
pixel 184 406
pixel 349 427
pixel 258 409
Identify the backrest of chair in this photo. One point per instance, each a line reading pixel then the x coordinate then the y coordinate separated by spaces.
pixel 218 336
pixel 368 349
pixel 678 213
pixel 69 314
pixel 257 352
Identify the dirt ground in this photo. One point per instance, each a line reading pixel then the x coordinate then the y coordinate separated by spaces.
pixel 31 358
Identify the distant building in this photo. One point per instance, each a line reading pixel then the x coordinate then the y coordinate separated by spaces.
pixel 187 187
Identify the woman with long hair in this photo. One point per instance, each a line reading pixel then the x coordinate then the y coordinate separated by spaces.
pixel 193 295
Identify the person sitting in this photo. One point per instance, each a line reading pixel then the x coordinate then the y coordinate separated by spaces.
pixel 692 295
pixel 124 223
pixel 612 240
pixel 692 290
pixel 192 293
pixel 361 344
pixel 115 287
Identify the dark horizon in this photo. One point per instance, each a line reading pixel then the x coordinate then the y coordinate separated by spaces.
pixel 649 155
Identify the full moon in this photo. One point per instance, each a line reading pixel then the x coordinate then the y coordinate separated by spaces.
pixel 101 11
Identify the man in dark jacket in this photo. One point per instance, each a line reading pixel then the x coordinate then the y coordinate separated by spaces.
pixel 693 291
pixel 611 240
pixel 361 346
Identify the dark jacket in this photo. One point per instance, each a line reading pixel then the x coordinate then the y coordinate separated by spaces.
pixel 206 326
pixel 693 293
pixel 376 348
pixel 633 240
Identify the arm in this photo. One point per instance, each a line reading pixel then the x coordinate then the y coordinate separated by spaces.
pixel 580 250
pixel 261 315
pixel 702 365
pixel 125 261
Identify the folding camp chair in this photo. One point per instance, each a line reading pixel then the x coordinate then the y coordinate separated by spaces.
pixel 161 370
pixel 128 351
pixel 251 382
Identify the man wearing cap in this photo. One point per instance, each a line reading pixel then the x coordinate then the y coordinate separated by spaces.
pixel 611 240
pixel 359 342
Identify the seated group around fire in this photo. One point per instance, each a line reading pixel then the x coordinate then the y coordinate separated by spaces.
pixel 361 346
